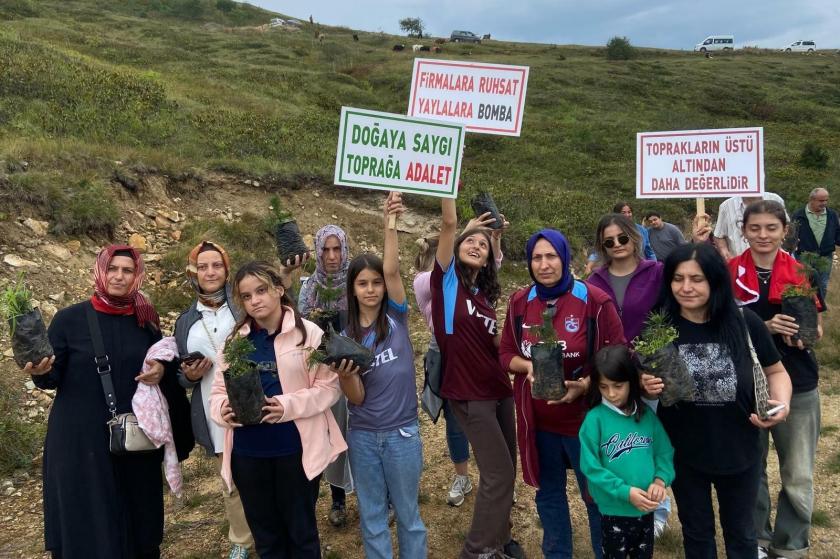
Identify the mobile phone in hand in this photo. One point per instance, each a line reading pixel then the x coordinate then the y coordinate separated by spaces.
pixel 192 357
pixel 773 411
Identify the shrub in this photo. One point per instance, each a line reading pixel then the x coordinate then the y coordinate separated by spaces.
pixel 814 156
pixel 619 48
pixel 226 6
pixel 86 208
pixel 20 441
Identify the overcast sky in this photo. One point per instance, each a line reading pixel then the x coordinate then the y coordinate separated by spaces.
pixel 677 24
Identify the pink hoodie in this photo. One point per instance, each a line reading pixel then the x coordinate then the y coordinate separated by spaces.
pixel 308 394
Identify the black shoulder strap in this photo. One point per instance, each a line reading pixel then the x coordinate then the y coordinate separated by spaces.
pixel 100 359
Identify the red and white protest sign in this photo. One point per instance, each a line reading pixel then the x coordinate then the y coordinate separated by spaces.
pixel 485 98
pixel 700 163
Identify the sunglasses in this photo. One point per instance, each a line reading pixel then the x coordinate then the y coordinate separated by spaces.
pixel 613 241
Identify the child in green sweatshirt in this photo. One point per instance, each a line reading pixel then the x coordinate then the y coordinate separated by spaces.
pixel 625 455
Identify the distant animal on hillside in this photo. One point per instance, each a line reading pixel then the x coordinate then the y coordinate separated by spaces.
pixel 355 37
pixel 425 48
pixel 440 41
pixel 436 49
pixel 416 48
pixel 321 37
pixel 486 37
pixel 398 47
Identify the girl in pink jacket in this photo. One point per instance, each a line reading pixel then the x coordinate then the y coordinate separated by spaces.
pixel 277 463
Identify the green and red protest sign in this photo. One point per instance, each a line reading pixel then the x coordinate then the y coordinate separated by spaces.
pixel 385 151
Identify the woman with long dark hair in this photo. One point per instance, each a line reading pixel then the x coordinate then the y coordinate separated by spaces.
pixel 716 436
pixel 277 463
pixel 759 277
pixel 386 453
pixel 465 289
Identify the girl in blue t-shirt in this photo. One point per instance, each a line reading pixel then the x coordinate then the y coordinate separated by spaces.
pixel 386 454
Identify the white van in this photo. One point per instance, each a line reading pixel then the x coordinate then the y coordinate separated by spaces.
pixel 716 42
pixel 801 46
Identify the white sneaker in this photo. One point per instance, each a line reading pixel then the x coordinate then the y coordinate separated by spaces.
pixel 461 486
pixel 659 527
pixel 762 552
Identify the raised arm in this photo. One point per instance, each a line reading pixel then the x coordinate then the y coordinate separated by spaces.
pixel 391 258
pixel 448 228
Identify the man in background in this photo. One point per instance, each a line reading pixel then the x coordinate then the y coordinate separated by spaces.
pixel 729 236
pixel 817 231
pixel 664 236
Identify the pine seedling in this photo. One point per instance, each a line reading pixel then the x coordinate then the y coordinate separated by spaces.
pixel 658 333
pixel 15 301
pixel 545 332
pixel 278 213
pixel 236 354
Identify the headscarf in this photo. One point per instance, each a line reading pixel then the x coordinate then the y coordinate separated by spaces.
pixel 134 302
pixel 309 291
pixel 561 245
pixel 219 296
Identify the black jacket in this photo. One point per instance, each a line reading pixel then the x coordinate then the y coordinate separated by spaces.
pixel 806 242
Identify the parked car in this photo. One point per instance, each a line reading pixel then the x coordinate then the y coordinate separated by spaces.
pixel 464 37
pixel 801 46
pixel 716 42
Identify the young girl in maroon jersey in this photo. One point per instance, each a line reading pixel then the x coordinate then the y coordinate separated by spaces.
pixel 464 293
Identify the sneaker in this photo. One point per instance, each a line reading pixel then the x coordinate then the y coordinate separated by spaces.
pixel 762 552
pixel 338 515
pixel 461 487
pixel 238 552
pixel 513 550
pixel 659 527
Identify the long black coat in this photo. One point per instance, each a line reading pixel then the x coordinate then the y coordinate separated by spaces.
pixel 98 505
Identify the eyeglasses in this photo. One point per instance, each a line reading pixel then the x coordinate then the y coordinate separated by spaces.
pixel 620 240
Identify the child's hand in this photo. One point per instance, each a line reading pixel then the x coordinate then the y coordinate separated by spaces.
pixel 639 499
pixel 656 491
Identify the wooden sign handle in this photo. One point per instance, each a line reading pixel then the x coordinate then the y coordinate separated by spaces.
pixel 392 221
pixel 701 207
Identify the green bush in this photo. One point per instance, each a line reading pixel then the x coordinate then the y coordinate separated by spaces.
pixel 86 208
pixel 20 441
pixel 226 6
pixel 814 156
pixel 619 48
pixel 13 9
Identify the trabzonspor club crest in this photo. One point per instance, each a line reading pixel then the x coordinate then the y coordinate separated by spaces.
pixel 572 324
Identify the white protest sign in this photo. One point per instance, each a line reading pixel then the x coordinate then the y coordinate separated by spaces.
pixel 385 151
pixel 700 163
pixel 485 98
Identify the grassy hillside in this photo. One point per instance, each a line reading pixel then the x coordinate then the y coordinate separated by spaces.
pixel 192 85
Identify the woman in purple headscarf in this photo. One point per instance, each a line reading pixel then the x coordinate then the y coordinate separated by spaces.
pixel 584 320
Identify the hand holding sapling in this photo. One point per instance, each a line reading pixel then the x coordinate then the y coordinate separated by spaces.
pixel 658 355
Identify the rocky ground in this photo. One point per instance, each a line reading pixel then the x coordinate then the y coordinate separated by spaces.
pixel 154 217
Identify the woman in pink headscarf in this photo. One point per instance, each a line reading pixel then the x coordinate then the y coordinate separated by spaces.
pixel 97 504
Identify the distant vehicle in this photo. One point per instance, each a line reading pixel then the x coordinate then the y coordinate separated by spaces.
pixel 464 37
pixel 716 42
pixel 277 22
pixel 801 46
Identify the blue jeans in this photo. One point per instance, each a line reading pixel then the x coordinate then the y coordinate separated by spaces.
pixel 558 453
pixel 456 440
pixel 388 464
pixel 796 444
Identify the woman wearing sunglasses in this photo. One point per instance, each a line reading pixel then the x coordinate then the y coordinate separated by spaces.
pixel 631 281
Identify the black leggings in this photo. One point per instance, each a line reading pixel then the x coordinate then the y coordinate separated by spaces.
pixel 627 537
